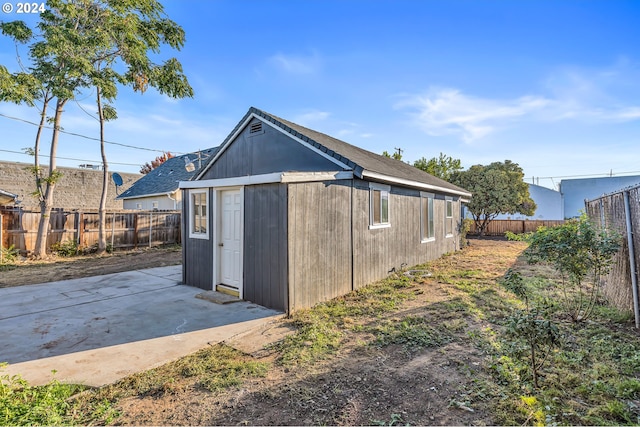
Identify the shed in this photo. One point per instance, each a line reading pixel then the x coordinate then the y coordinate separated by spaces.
pixel 286 217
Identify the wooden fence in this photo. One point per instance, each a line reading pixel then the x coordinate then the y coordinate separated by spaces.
pixel 610 212
pixel 498 227
pixel 124 229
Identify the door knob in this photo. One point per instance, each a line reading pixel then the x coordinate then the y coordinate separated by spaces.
pixel 220 244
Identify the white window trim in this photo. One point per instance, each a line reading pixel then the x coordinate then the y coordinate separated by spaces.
pixel 192 234
pixel 424 198
pixel 448 200
pixel 379 187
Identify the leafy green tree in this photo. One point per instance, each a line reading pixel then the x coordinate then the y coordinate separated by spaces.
pixel 442 167
pixel 397 155
pixel 125 33
pixel 497 189
pixel 57 66
pixel 84 44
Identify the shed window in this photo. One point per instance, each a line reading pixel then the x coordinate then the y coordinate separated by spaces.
pixel 198 218
pixel 448 220
pixel 379 202
pixel 427 227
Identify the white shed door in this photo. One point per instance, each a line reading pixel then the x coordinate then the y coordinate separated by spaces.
pixel 231 235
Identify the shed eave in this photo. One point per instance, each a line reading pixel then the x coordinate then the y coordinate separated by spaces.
pixel 410 183
pixel 269 178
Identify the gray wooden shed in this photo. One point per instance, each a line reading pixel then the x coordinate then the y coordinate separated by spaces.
pixel 286 217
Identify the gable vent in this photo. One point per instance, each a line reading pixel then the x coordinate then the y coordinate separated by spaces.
pixel 256 127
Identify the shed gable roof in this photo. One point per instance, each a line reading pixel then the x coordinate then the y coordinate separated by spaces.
pixel 166 177
pixel 363 163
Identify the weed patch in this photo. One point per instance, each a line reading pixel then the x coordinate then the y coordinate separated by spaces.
pixel 412 332
pixel 22 404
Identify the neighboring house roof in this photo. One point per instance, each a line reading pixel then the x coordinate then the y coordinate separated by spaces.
pixel 364 164
pixel 166 177
pixel 6 197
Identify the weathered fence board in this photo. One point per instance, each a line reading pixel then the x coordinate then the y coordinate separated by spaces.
pixel 498 227
pixel 123 229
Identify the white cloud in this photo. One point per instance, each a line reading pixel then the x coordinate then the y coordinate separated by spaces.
pixel 590 96
pixel 296 64
pixel 310 117
pixel 443 111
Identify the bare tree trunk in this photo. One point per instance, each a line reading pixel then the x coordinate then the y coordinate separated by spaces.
pixel 102 214
pixel 36 153
pixel 46 203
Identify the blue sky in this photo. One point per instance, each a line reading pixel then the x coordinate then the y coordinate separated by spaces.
pixel 551 85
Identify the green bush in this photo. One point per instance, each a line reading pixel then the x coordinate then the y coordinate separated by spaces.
pixel 22 404
pixel 7 256
pixel 581 254
pixel 66 249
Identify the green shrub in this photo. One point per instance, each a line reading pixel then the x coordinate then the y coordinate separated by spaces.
pixel 66 249
pixel 581 254
pixel 23 404
pixel 7 257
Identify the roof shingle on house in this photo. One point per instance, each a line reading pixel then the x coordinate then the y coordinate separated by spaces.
pixel 166 177
pixel 360 161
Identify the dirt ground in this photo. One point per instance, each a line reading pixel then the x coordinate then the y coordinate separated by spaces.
pixel 26 272
pixel 359 385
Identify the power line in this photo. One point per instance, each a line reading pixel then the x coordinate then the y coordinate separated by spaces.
pixel 70 158
pixel 588 175
pixel 88 137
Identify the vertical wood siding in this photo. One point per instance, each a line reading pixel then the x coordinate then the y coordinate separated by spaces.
pixel 266 152
pixel 265 245
pixel 197 266
pixel 320 250
pixel 378 251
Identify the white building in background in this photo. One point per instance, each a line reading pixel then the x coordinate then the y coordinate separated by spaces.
pixel 575 191
pixel 548 201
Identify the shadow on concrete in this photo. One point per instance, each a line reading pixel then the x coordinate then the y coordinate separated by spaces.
pixel 142 317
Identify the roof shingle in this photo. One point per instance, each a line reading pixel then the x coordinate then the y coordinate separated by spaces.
pixel 166 177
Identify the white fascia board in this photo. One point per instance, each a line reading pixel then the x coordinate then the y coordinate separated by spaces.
pixel 143 196
pixel 224 148
pixel 233 182
pixel 303 143
pixel 279 129
pixel 269 178
pixel 315 176
pixel 411 183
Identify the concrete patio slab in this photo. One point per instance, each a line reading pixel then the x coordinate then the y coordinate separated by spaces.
pixel 97 330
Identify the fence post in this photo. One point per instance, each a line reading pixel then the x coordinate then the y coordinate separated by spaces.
pixel 79 220
pixel 150 226
pixel 135 230
pixel 632 256
pixel 113 228
pixel 1 241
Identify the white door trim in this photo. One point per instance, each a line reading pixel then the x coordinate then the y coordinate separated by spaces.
pixel 217 258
